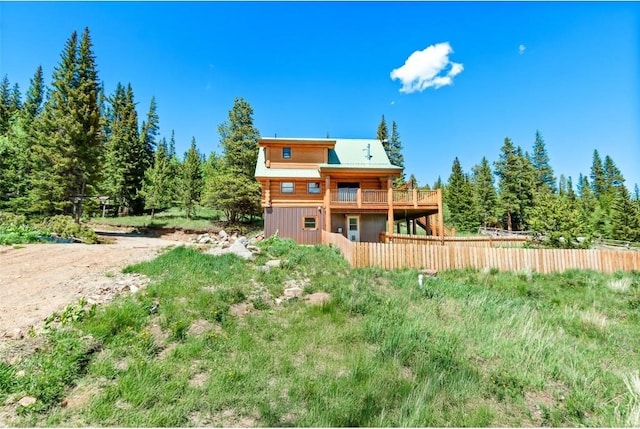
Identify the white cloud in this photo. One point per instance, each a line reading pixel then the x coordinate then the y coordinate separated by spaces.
pixel 430 67
pixel 521 49
pixel 393 102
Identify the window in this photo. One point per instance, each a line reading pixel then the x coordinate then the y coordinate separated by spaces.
pixel 286 187
pixel 286 152
pixel 313 187
pixel 309 222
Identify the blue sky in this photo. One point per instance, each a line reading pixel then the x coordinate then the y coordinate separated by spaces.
pixel 475 72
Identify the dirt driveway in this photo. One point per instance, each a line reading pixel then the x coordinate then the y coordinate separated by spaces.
pixel 39 279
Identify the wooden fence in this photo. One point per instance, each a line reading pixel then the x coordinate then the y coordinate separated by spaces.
pixel 513 241
pixel 394 255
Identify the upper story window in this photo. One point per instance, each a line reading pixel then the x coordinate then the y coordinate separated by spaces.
pixel 313 187
pixel 286 187
pixel 286 153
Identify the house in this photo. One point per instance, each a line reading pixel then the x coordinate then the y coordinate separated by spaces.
pixel 337 185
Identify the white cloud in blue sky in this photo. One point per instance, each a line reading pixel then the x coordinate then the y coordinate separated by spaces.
pixel 521 49
pixel 428 68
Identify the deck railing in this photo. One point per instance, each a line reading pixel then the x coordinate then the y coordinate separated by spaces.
pixel 381 197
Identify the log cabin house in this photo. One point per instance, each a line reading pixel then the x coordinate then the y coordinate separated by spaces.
pixel 340 186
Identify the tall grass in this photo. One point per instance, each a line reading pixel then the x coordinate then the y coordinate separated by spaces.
pixel 468 348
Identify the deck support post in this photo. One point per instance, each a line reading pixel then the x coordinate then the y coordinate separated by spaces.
pixel 440 216
pixel 390 204
pixel 327 204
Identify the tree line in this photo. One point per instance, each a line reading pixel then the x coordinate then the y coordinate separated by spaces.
pixel 528 197
pixel 69 144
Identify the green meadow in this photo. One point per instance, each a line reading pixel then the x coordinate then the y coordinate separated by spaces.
pixel 210 343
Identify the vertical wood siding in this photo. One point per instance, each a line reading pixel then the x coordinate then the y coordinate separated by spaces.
pixel 288 222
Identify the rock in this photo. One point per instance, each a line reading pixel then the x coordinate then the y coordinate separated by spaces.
pixel 222 234
pixel 26 401
pixel 242 239
pixel 317 298
pixel 20 373
pixel 253 249
pixel 263 268
pixel 16 334
pixel 274 263
pixel 239 249
pixel 292 292
pixel 429 273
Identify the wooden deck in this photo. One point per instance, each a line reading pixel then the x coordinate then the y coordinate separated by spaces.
pixel 383 199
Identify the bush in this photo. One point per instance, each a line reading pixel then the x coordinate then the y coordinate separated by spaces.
pixel 66 227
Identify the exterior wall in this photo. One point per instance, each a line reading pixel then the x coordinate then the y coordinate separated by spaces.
pixel 288 221
pixel 365 183
pixel 299 155
pixel 370 225
pixel 299 194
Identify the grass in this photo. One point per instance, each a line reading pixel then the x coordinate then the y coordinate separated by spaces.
pixel 204 219
pixel 469 348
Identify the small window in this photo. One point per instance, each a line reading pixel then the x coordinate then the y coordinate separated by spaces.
pixel 286 152
pixel 310 222
pixel 313 187
pixel 286 187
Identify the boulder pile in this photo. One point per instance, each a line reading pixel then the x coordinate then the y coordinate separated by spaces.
pixel 222 243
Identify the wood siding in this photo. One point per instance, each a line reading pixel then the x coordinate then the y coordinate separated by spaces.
pixel 299 195
pixel 288 221
pixel 394 256
pixel 371 225
pixel 299 155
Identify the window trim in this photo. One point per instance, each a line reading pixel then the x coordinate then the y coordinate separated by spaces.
pixel 286 153
pixel 282 188
pixel 319 188
pixel 315 222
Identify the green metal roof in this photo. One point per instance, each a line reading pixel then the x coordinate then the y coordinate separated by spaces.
pixel 365 154
pixel 358 153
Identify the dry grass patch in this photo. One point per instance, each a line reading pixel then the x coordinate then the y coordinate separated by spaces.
pixel 595 319
pixel 619 285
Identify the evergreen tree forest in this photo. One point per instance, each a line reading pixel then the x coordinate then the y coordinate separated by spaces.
pixel 521 193
pixel 65 145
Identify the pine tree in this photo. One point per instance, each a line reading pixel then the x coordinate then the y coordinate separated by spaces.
pixel 233 188
pixel 89 145
pixel 541 163
pixel 460 200
pixel 70 140
pixel 562 185
pixel 556 217
pixel 175 168
pixel 598 179
pixel 571 194
pixel 625 221
pixel 383 135
pixel 438 183
pixel 612 175
pixel 239 139
pixel 413 182
pixel 156 188
pixel 485 193
pixel 5 105
pixel 395 147
pixel 126 160
pixel 35 95
pixel 15 100
pixel 508 170
pixel 191 179
pixel 150 130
